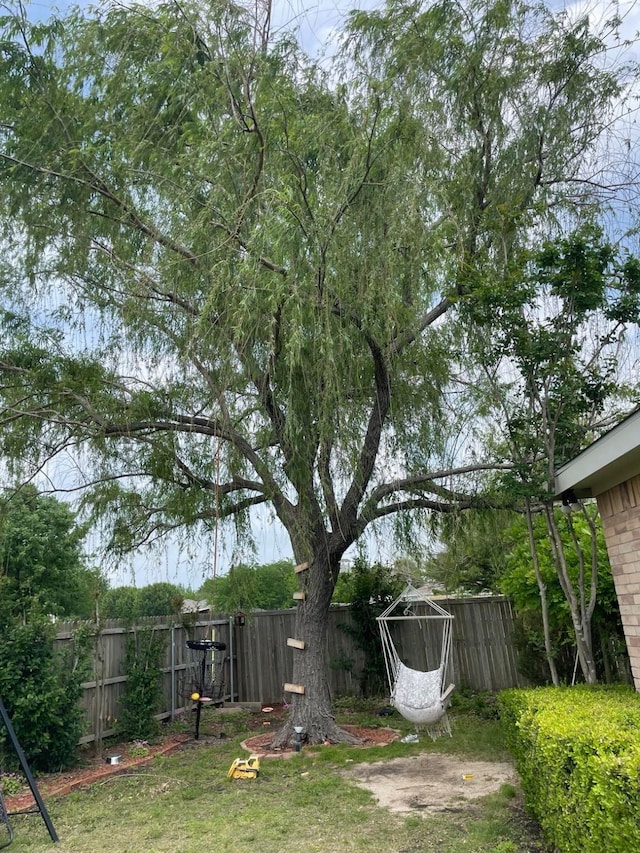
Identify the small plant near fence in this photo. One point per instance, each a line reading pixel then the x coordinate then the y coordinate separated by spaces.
pixel 11 784
pixel 371 589
pixel 138 749
pixel 143 689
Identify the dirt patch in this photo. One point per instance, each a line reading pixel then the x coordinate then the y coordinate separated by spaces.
pixel 431 783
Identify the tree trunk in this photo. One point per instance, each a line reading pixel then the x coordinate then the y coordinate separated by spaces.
pixel 582 636
pixel 312 711
pixel 542 590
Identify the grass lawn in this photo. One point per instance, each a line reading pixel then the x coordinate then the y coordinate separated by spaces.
pixel 184 803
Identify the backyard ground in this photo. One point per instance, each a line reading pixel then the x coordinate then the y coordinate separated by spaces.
pixel 455 794
pixel 430 782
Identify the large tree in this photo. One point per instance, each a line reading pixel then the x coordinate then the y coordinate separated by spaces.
pixel 229 273
pixel 42 562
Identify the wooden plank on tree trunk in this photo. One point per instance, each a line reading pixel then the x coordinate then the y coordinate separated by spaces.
pixel 301 568
pixel 294 688
pixel 299 595
pixel 295 644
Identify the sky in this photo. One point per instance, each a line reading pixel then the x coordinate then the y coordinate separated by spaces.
pixel 315 21
pixel 317 25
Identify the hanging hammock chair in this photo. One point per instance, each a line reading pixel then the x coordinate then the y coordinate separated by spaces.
pixel 419 696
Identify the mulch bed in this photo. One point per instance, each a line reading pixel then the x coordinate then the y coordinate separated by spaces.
pixel 259 745
pixel 57 784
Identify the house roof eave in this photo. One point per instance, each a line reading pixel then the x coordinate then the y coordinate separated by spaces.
pixel 610 460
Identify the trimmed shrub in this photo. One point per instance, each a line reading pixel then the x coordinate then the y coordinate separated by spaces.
pixel 41 689
pixel 577 750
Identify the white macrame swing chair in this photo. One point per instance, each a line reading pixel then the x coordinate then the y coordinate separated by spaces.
pixel 420 697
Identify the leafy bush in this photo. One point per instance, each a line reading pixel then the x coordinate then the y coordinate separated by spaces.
pixel 479 703
pixel 252 587
pixel 42 557
pixel 131 603
pixel 11 784
pixel 143 688
pixel 518 582
pixel 371 589
pixel 578 754
pixel 41 689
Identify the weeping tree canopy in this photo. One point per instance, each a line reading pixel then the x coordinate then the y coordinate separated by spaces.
pixel 231 276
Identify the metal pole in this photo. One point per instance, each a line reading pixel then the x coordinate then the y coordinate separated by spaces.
pixel 231 629
pixel 27 772
pixel 173 670
pixel 4 819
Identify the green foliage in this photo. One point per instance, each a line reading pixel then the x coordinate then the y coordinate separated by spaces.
pixel 41 556
pixel 518 582
pixel 550 368
pixel 238 278
pixel 342 591
pixel 371 589
pixel 289 258
pixel 474 555
pixel 143 687
pixel 120 602
pixel 250 587
pixel 11 783
pixel 479 703
pixel 40 687
pixel 578 755
pixel 490 549
pixel 160 599
pixel 138 749
pixel 131 603
pixel 552 359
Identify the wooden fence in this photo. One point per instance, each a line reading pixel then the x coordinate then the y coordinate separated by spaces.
pixel 257 661
pixel 180 666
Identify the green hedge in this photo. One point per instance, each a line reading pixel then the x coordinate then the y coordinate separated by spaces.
pixel 41 689
pixel 577 750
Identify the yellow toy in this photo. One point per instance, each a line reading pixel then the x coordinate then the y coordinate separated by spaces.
pixel 244 768
pixel 195 696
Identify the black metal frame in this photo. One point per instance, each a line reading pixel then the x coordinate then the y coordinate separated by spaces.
pixel 24 764
pixel 4 819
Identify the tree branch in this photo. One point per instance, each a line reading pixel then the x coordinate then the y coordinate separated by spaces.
pixel 370 445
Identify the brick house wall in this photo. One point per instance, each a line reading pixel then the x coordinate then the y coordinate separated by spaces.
pixel 620 512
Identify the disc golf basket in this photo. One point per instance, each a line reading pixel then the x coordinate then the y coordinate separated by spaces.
pixel 206 675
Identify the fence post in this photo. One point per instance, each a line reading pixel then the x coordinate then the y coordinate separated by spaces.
pixel 173 670
pixel 231 683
